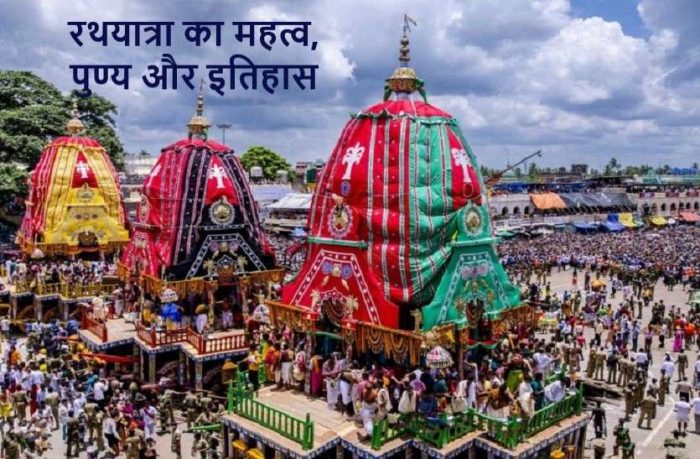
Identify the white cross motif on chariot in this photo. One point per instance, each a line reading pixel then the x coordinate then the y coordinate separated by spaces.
pixel 219 174
pixel 462 160
pixel 352 156
pixel 154 173
pixel 83 169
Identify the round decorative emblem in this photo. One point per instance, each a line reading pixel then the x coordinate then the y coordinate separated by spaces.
pixel 326 267
pixel 221 212
pixel 345 187
pixel 472 221
pixel 339 221
pixel 85 194
pixel 346 271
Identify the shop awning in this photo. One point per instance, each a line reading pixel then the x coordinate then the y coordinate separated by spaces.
pixel 658 221
pixel 583 227
pixel 614 227
pixel 610 201
pixel 689 217
pixel 545 201
pixel 628 220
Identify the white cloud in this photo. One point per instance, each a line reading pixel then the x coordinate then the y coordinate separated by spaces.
pixel 518 74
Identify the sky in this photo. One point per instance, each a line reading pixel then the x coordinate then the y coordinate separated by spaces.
pixel 582 80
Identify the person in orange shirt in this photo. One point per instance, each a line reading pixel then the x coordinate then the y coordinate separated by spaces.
pixel 14 356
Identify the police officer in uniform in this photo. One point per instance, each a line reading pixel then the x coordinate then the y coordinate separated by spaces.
pixel 590 365
pixel 73 433
pixel 599 364
pixel 647 410
pixel 682 365
pixel 663 388
pixel 10 446
pixel 176 443
pixel 191 403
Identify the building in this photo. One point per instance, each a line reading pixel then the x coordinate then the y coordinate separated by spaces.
pixel 136 168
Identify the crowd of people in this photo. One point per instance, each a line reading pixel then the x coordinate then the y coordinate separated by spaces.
pixel 600 332
pixel 53 272
pixel 672 254
pixel 51 383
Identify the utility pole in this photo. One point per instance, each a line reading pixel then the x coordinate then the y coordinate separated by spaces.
pixel 223 128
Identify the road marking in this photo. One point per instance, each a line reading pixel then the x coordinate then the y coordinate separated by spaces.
pixel 656 430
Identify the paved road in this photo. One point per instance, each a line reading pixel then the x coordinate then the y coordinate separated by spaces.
pixel 648 443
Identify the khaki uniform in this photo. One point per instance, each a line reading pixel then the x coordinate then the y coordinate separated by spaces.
pixel 191 403
pixel 52 401
pixel 682 365
pixel 20 398
pixel 599 365
pixel 653 389
pixel 90 409
pixel 629 401
pixel 10 449
pixel 663 390
pixel 99 432
pixel 132 445
pixel 647 411
pixel 73 441
pixel 176 444
pixel 590 365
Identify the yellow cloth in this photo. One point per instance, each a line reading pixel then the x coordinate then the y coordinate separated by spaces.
pixel 6 409
pixel 254 453
pixel 628 220
pixel 658 220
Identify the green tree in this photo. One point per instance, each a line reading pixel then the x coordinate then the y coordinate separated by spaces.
pixel 33 112
pixel 270 162
pixel 13 181
pixel 613 167
pixel 532 170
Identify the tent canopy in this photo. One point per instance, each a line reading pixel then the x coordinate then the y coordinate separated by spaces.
pixel 292 201
pixel 584 227
pixel 658 220
pixel 628 220
pixel 598 200
pixel 545 201
pixel 689 217
pixel 613 227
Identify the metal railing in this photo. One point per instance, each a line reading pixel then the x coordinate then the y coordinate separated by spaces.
pixel 203 344
pixel 241 401
pixel 71 291
pixel 443 429
pixel 99 329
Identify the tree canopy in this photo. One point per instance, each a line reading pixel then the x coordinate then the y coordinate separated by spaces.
pixel 268 160
pixel 33 112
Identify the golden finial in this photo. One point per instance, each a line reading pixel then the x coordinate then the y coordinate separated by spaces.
pixel 199 123
pixel 404 79
pixel 74 126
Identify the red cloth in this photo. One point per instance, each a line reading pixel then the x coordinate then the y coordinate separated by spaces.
pixel 83 173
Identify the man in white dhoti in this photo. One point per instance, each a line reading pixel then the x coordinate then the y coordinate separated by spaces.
pixel 286 364
pixel 330 371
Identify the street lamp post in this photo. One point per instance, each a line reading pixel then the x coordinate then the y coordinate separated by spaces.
pixel 223 128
